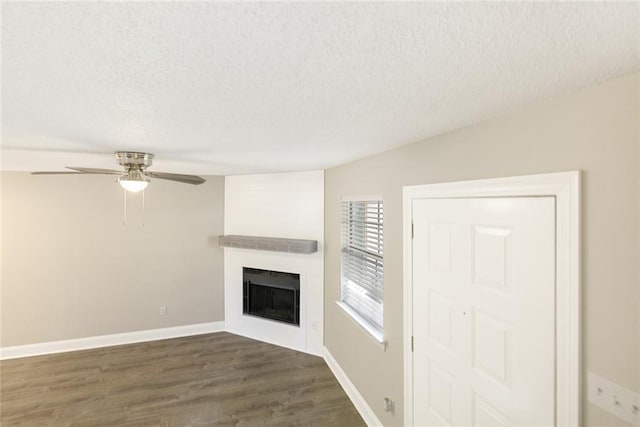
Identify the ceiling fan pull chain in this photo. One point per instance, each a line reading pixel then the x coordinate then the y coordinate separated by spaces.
pixel 124 218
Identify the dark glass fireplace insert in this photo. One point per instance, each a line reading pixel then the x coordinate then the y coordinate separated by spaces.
pixel 270 294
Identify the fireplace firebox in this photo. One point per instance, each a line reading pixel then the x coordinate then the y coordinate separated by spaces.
pixel 272 295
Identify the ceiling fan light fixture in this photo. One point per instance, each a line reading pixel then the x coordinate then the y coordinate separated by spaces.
pixel 133 181
pixel 135 176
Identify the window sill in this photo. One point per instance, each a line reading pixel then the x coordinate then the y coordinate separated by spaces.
pixel 364 324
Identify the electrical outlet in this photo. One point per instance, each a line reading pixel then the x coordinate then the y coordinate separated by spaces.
pixel 613 398
pixel 388 404
pixel 163 310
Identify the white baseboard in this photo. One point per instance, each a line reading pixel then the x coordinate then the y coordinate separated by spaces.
pixel 109 340
pixel 358 401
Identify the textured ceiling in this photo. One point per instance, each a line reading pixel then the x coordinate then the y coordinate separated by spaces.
pixel 227 88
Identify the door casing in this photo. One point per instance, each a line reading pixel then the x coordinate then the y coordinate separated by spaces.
pixel 565 187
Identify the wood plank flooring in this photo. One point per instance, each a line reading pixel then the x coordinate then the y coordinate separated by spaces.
pixel 216 379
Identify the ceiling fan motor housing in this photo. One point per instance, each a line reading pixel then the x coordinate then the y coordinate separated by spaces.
pixel 134 160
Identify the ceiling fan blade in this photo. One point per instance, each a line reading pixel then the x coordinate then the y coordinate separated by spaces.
pixel 57 173
pixel 186 179
pixel 95 170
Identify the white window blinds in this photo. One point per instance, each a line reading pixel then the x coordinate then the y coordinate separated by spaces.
pixel 362 259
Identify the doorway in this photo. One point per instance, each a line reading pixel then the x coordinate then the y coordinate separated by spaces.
pixel 491 302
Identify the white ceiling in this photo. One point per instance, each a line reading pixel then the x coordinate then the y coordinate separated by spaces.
pixel 228 88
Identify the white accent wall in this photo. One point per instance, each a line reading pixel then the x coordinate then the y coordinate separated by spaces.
pixel 288 205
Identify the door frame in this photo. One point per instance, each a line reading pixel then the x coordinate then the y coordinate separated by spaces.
pixel 565 187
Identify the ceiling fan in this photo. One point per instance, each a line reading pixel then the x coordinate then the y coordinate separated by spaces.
pixel 135 176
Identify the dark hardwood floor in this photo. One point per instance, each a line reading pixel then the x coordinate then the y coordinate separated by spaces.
pixel 217 379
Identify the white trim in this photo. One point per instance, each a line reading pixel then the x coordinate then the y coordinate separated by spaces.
pixel 375 333
pixel 565 187
pixel 352 392
pixel 108 340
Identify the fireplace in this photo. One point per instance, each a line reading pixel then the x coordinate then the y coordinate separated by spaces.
pixel 273 295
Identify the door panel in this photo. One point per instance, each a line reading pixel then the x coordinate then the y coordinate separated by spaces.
pixel 484 311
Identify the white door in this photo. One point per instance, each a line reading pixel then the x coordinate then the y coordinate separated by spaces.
pixel 484 312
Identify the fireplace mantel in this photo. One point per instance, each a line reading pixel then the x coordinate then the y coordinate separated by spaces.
pixel 275 244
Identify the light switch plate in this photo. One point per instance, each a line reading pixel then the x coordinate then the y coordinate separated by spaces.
pixel 613 398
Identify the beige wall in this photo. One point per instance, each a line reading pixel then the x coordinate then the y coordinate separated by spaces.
pixel 596 131
pixel 71 269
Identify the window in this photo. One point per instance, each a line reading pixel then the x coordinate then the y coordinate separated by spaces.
pixel 362 263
